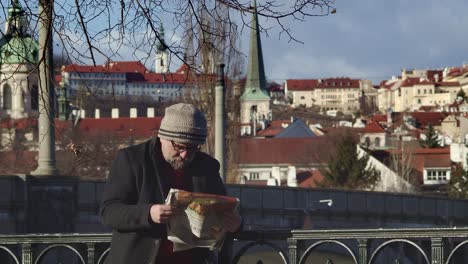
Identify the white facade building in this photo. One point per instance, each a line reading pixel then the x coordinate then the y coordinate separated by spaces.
pixel 341 94
pixel 124 79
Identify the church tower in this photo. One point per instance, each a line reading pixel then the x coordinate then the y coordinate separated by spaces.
pixel 18 60
pixel 162 55
pixel 255 101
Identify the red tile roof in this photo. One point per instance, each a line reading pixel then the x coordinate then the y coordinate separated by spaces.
pixel 285 150
pixel 135 72
pixel 437 161
pixel 309 179
pixel 109 67
pixel 447 84
pixel 140 127
pixel 274 128
pixel 338 83
pixel 301 85
pixel 414 81
pixel 373 127
pixel 424 118
pixel 379 118
pixel 457 71
pixel 312 84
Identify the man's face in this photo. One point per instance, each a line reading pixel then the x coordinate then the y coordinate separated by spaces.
pixel 178 155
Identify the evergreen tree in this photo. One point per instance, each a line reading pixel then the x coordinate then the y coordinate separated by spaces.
pixel 461 94
pixel 431 140
pixel 347 170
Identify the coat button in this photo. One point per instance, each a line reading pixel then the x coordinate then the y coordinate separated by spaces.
pixel 156 242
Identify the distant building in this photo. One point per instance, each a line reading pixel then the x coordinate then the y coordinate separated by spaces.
pixel 125 78
pixel 341 94
pixel 373 135
pixel 18 74
pixel 281 161
pixel 417 89
pixel 427 166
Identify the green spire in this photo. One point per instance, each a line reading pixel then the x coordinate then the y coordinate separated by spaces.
pixel 256 83
pixel 17 46
pixel 16 19
pixel 161 45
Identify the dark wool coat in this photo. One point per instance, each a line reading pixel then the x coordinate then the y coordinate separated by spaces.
pixel 135 183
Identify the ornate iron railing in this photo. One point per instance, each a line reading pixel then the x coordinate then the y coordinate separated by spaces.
pixel 366 246
pixel 360 246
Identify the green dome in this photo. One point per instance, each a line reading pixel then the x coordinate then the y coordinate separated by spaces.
pixel 18 50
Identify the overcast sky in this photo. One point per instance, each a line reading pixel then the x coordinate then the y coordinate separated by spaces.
pixel 369 39
pixel 372 39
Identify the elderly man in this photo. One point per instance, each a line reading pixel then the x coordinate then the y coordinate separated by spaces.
pixel 140 179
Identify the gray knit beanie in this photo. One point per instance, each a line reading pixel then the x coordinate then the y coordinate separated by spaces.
pixel 183 123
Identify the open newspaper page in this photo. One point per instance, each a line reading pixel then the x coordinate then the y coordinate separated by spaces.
pixel 201 222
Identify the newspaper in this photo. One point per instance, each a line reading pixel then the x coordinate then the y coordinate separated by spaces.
pixel 201 222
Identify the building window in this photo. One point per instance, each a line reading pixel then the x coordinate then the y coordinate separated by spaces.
pixel 254 176
pixel 302 97
pixel 7 97
pixel 434 175
pixel 34 98
pixel 377 142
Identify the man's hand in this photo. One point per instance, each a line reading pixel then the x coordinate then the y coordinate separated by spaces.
pixel 160 213
pixel 232 221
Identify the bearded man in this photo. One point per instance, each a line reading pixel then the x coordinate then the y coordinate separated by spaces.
pixel 140 179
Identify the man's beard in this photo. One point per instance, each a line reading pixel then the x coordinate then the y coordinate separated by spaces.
pixel 178 163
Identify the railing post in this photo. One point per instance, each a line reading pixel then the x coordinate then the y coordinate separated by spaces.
pixel 437 245
pixel 292 246
pixel 91 252
pixel 362 245
pixel 26 255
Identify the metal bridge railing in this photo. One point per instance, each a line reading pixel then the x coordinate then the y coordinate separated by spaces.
pixel 359 246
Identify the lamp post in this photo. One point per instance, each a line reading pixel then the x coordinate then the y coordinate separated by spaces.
pixel 46 141
pixel 220 129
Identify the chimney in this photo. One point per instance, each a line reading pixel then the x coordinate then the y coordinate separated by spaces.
pixel 292 178
pixel 97 113
pixel 115 113
pixel 272 182
pixel 82 113
pixel 133 113
pixel 389 117
pixel 275 173
pixel 150 112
